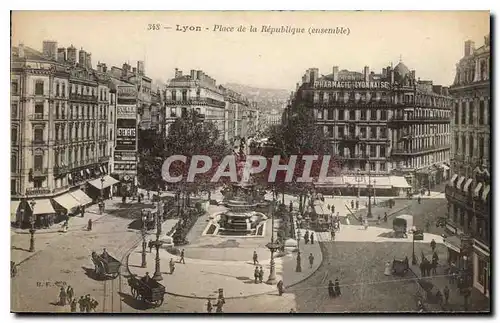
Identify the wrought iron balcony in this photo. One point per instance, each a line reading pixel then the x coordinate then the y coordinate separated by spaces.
pixel 103 159
pixel 39 142
pixel 417 151
pixel 81 97
pixel 398 120
pixel 40 172
pixel 31 191
pixel 349 138
pixel 39 117
pixel 59 170
pixel 354 157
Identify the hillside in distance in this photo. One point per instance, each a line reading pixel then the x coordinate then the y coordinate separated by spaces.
pixel 262 95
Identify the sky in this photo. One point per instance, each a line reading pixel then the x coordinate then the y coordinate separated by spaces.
pixel 429 42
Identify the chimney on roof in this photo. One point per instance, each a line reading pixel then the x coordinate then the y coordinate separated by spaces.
pixel 366 73
pixel 88 61
pixel 104 67
pixel 445 91
pixel 20 52
pixel 469 48
pixel 308 75
pixel 61 54
pixel 134 70
pixel 412 74
pixel 335 73
pixel 178 73
pixel 193 74
pixel 50 49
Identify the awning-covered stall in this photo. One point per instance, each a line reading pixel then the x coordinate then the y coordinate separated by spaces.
pixel 467 185
pixel 381 182
pixel 67 201
pixel 356 181
pixel 320 209
pixel 486 192
pixel 453 243
pixel 399 182
pixel 14 205
pixel 43 207
pixel 99 183
pixel 453 179
pixel 460 181
pixel 336 181
pixel 81 197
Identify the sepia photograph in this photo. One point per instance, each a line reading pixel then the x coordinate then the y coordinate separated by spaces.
pixel 251 162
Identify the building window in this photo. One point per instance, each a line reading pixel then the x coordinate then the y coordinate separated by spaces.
pixel 38 161
pixel 464 151
pixel 13 187
pixel 330 114
pixel 39 88
pixel 173 112
pixel 14 87
pixel 383 115
pixel 320 113
pixel 63 91
pixel 13 135
pixel 38 135
pixel 464 114
pixel 481 147
pixel 13 110
pixel 352 115
pixel 373 151
pixel 382 167
pixel 457 147
pixel 471 113
pixel 471 146
pixel 481 112
pixel 363 114
pixel 174 98
pixel 341 114
pixel 57 88
pixel 373 132
pixel 183 112
pixel 372 166
pixel 330 131
pixel 373 114
pixel 482 269
pixel 341 132
pixel 13 162
pixel 184 95
pixel 39 108
pixel 382 151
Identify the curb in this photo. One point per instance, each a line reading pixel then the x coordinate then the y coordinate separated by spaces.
pixel 59 230
pixel 388 215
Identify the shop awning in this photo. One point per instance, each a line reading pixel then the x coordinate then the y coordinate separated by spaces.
pixel 382 182
pixel 14 205
pixel 399 182
pixel 467 185
pixel 43 207
pixel 486 192
pixel 477 189
pixel 337 181
pixel 460 181
pixel 356 181
pixel 453 179
pixel 81 197
pixel 453 243
pixel 99 184
pixel 318 209
pixel 67 201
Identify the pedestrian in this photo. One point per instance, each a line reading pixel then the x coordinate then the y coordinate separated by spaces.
pixel 256 274
pixel 124 199
pixel 182 257
pixel 352 204
pixel 255 258
pixel 439 297
pixel 150 245
pixel 261 274
pixel 83 211
pixel 311 260
pixel 89 225
pixel 306 237
pixel 357 205
pixel 209 306
pixel 70 293
pixel 331 289
pixel 220 303
pixel 427 226
pixel 290 207
pixel 280 287
pixel 87 303
pixel 333 209
pixel 433 245
pixel 93 304
pixel 446 293
pixel 332 234
pixel 419 199
pixel 378 219
pixel 81 304
pixel 73 306
pixel 337 287
pixel 172 266
pixel 385 217
pixel 312 237
pixel 365 223
pixel 62 297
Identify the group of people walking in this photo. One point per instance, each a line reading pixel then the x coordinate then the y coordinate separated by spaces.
pixel 218 304
pixel 309 236
pixel 86 304
pixel 334 288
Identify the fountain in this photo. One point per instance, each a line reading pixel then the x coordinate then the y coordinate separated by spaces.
pixel 240 219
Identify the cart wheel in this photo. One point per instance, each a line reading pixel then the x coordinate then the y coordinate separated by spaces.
pixel 158 302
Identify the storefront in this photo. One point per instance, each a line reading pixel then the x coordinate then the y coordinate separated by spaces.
pixel 481 268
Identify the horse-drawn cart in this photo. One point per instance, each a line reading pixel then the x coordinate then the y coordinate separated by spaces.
pixel 400 266
pixel 149 291
pixel 105 265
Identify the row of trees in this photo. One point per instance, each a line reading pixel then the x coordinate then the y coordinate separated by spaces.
pixel 189 136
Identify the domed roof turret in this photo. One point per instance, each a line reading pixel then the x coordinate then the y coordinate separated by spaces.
pixel 401 69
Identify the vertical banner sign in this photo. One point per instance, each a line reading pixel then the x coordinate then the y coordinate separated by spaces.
pixel 126 119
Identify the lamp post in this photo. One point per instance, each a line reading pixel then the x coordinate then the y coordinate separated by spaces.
pixel 32 229
pixel 143 263
pixel 374 192
pixel 359 179
pixel 157 275
pixel 272 246
pixel 369 214
pixel 298 268
pixel 413 257
pixel 101 208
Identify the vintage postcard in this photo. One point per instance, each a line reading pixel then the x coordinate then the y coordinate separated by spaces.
pixel 250 162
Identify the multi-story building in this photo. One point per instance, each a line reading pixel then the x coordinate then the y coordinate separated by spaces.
pixel 237 112
pixel 56 149
pixel 152 115
pixel 378 125
pixel 198 92
pixel 468 191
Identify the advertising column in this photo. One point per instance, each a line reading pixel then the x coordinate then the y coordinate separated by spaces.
pixel 125 155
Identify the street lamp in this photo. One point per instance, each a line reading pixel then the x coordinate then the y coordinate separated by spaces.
pixel 374 192
pixel 272 246
pixel 101 208
pixel 359 179
pixel 157 275
pixel 298 268
pixel 32 229
pixel 143 263
pixel 413 257
pixel 369 215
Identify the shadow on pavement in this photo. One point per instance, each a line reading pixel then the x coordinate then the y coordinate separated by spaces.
pixel 92 275
pixel 18 248
pixel 135 224
pixel 132 302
